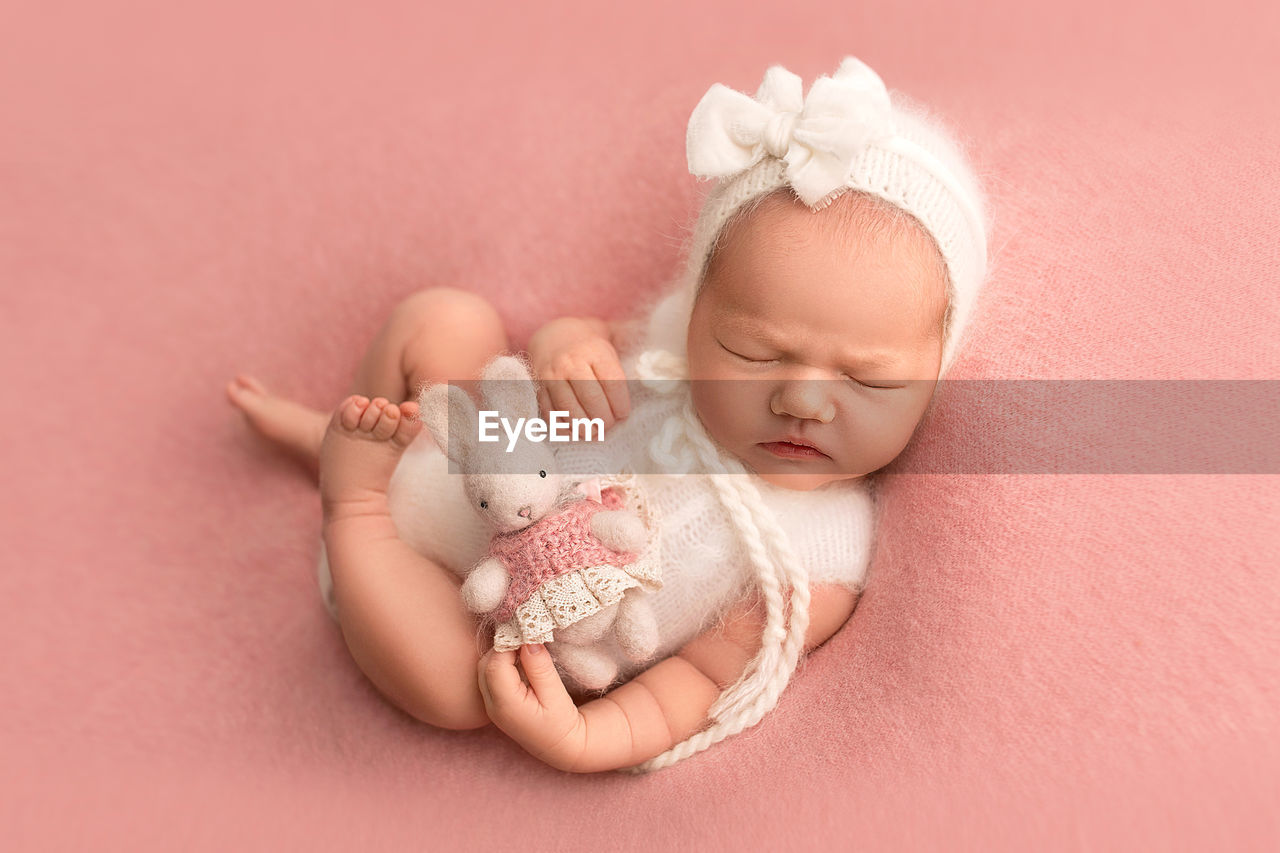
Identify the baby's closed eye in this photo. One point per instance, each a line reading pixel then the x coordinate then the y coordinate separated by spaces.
pixel 871 383
pixel 748 351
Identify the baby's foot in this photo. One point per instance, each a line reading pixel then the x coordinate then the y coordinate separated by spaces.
pixel 299 428
pixel 360 451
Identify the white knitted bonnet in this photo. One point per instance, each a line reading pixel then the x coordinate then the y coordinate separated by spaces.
pixel 846 134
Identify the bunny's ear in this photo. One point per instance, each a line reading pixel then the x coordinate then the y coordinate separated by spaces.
pixel 443 406
pixel 508 387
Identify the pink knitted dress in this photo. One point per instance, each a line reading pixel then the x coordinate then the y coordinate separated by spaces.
pixel 561 573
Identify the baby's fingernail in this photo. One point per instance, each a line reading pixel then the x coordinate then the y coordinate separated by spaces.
pixel 537 649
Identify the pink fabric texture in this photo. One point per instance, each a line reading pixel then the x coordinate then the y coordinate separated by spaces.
pixel 192 190
pixel 555 545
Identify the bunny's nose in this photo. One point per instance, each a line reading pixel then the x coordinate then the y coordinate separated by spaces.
pixel 525 511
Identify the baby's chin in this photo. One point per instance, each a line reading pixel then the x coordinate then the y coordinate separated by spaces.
pixel 804 482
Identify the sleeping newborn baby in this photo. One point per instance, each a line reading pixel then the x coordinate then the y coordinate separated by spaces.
pixel 832 270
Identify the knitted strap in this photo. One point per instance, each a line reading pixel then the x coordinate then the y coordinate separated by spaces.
pixel 778 571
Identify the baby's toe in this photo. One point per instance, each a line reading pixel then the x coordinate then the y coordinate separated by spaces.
pixel 408 426
pixel 372 414
pixel 351 411
pixel 386 425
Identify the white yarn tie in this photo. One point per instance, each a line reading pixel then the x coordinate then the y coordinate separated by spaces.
pixel 682 444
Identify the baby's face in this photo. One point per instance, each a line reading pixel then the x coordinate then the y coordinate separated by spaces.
pixel 815 345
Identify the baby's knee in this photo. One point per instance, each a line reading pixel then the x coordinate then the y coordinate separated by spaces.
pixel 451 334
pixel 453 310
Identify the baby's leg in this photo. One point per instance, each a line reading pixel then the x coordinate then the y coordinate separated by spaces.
pixel 435 335
pixel 401 614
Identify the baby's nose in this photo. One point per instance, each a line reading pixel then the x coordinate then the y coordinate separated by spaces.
pixel 525 511
pixel 805 399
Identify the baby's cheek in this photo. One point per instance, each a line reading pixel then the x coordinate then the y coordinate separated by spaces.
pixel 883 432
pixel 722 406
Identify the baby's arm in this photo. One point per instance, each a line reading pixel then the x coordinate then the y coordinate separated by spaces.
pixel 667 703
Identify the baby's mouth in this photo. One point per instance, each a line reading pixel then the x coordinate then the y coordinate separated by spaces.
pixel 793 448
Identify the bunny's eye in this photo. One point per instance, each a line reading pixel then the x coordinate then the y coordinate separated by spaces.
pixel 542 474
pixel 484 504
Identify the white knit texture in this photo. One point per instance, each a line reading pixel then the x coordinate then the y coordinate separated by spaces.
pixel 705 567
pixel 745 517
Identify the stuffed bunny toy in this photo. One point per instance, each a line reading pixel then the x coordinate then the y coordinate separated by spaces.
pixel 562 568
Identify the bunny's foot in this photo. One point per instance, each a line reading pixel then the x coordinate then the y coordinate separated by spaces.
pixel 636 628
pixel 589 668
pixel 360 451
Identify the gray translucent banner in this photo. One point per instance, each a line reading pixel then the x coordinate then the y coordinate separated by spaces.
pixel 1002 426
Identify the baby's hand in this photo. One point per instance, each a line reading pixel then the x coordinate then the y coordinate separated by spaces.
pixel 540 715
pixel 579 370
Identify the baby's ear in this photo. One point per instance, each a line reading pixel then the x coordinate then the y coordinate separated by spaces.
pixel 508 387
pixel 441 406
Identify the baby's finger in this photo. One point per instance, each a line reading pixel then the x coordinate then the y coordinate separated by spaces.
pixel 543 678
pixel 594 402
pixel 614 382
pixel 563 398
pixel 498 675
pixel 544 402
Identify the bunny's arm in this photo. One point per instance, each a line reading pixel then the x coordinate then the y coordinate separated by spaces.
pixel 621 530
pixel 486 586
pixel 668 703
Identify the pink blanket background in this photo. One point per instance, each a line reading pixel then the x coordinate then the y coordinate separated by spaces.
pixel 1042 661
